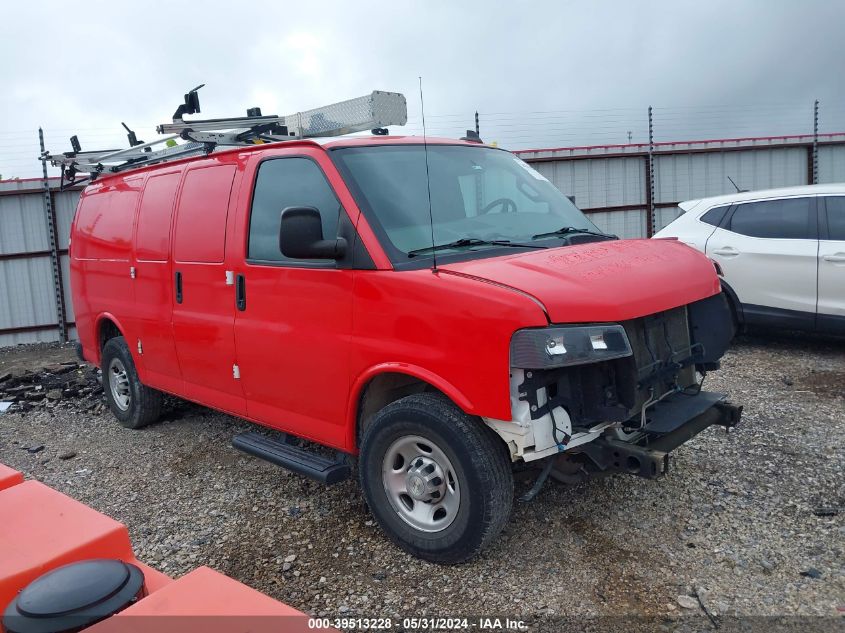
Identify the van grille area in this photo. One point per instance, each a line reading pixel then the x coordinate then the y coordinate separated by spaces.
pixel 664 354
pixel 663 360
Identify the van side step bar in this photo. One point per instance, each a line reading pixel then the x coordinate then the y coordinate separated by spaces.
pixel 294 458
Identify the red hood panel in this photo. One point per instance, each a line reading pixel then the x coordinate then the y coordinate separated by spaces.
pixel 603 281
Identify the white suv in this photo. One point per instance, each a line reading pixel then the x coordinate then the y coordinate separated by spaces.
pixel 781 253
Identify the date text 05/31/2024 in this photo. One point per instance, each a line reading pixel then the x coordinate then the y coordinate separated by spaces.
pixel 420 624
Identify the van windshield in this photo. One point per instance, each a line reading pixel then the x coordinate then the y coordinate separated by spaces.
pixel 480 198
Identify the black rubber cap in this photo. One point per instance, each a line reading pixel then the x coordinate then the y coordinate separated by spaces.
pixel 74 596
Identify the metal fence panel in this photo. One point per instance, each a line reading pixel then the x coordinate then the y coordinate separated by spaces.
pixel 65 205
pixel 35 336
pixel 23 226
pixel 596 183
pixel 664 215
pixel 681 177
pixel 28 311
pixel 626 224
pixel 831 163
pixel 26 286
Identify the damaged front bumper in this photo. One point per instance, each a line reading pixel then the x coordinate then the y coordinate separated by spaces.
pixel 611 447
pixel 645 452
pixel 648 456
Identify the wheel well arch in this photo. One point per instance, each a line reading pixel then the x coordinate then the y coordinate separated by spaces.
pixel 381 386
pixel 380 391
pixel 733 300
pixel 107 328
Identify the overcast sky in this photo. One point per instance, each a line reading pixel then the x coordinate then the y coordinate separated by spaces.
pixel 542 74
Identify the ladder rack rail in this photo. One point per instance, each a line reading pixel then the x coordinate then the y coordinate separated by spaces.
pixel 135 149
pixel 375 112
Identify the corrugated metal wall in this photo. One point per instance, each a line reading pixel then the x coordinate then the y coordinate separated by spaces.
pixel 599 183
pixel 28 311
pixel 831 164
pixel 681 177
pixel 64 204
pixel 609 182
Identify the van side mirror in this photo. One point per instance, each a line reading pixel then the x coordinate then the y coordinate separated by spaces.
pixel 301 236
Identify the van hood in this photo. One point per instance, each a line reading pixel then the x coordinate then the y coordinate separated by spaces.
pixel 602 281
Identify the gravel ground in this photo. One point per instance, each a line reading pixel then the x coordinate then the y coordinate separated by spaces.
pixel 747 523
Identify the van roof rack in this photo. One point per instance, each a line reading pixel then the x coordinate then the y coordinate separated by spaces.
pixel 374 111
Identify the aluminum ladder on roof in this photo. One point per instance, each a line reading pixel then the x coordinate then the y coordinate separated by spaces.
pixel 374 111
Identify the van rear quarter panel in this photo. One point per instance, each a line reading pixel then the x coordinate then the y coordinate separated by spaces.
pixel 101 255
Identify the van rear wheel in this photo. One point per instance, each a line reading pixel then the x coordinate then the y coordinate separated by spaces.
pixel 438 481
pixel 134 404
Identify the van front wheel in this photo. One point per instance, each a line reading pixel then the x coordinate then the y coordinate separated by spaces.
pixel 438 481
pixel 134 404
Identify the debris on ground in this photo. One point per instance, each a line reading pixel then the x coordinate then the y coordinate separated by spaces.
pixel 68 384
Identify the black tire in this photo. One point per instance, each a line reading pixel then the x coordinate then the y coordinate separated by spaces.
pixel 141 405
pixel 478 459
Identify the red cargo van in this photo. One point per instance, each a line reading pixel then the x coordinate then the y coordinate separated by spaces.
pixel 438 310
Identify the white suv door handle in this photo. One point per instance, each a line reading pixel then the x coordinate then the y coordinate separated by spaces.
pixel 838 258
pixel 727 251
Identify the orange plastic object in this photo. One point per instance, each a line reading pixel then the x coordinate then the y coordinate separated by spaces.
pixel 205 601
pixel 42 529
pixel 9 477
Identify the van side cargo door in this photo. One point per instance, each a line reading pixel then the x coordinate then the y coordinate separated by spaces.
pixel 152 281
pixel 203 311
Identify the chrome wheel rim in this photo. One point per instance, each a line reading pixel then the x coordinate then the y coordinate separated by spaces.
pixel 421 483
pixel 119 384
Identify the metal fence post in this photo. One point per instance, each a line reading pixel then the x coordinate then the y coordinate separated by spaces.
pixel 651 216
pixel 50 215
pixel 816 142
pixel 479 179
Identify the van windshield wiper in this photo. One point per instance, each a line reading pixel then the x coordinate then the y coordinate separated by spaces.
pixel 470 241
pixel 566 230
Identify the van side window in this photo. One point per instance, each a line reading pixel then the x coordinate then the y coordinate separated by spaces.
pixel 714 216
pixel 835 217
pixel 152 239
pixel 784 219
pixel 200 234
pixel 282 183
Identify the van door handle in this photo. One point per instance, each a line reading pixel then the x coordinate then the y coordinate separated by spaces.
pixel 178 287
pixel 837 258
pixel 727 251
pixel 240 293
